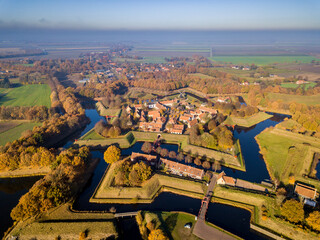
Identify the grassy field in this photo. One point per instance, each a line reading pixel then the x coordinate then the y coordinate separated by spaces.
pixel 15 132
pixel 262 60
pixel 67 225
pixel 27 95
pixel 287 153
pixel 247 121
pixel 294 85
pixel 287 98
pixel 200 75
pixel 7 125
pixel 105 193
pixel 147 59
pixel 173 49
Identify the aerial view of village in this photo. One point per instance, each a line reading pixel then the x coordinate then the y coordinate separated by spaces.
pixel 193 125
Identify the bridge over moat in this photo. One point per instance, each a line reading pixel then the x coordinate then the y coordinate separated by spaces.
pixel 201 229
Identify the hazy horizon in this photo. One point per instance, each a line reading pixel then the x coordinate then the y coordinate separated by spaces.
pixel 160 15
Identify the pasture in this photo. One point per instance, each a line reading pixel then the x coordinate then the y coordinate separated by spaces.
pixel 15 130
pixel 147 59
pixel 26 95
pixel 294 85
pixel 262 60
pixel 287 98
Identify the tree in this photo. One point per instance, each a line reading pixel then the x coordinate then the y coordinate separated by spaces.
pixel 172 154
pixel 206 164
pixel 197 161
pixel 188 159
pixel 112 154
pixel 157 234
pixel 216 166
pixel 164 152
pixel 134 178
pixel 146 147
pixel 120 178
pixel 180 157
pixel 313 220
pixel 293 211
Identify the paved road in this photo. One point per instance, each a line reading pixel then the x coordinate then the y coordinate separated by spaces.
pixel 201 229
pixel 205 232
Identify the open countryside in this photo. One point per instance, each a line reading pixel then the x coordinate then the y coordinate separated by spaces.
pixel 27 95
pixel 262 60
pixel 15 132
pixel 160 120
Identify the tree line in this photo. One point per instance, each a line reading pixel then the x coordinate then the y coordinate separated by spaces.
pixel 55 188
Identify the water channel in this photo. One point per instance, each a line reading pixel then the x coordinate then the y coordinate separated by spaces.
pixel 233 219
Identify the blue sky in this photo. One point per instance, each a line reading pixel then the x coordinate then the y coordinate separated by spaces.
pixel 160 15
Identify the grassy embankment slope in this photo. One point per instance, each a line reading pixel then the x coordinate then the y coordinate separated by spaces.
pixel 64 224
pixel 13 133
pixel 254 202
pixel 26 95
pixel 287 153
pixel 172 223
pixel 247 121
pixel 132 137
pixel 106 193
pixel 262 60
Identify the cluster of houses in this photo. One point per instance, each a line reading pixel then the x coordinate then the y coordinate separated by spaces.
pixel 156 116
pixel 245 68
pixel 170 166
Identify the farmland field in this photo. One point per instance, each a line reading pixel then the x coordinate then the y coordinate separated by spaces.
pixel 287 98
pixel 149 59
pixel 262 60
pixel 27 95
pixel 5 126
pixel 15 132
pixel 293 85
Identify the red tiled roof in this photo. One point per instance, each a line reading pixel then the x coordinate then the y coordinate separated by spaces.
pixel 209 110
pixel 183 168
pixel 305 191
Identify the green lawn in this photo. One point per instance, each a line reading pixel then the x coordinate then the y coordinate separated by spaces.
pixel 15 132
pixel 262 60
pixel 92 134
pixel 26 95
pixel 287 98
pixel 287 153
pixel 247 121
pixel 173 224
